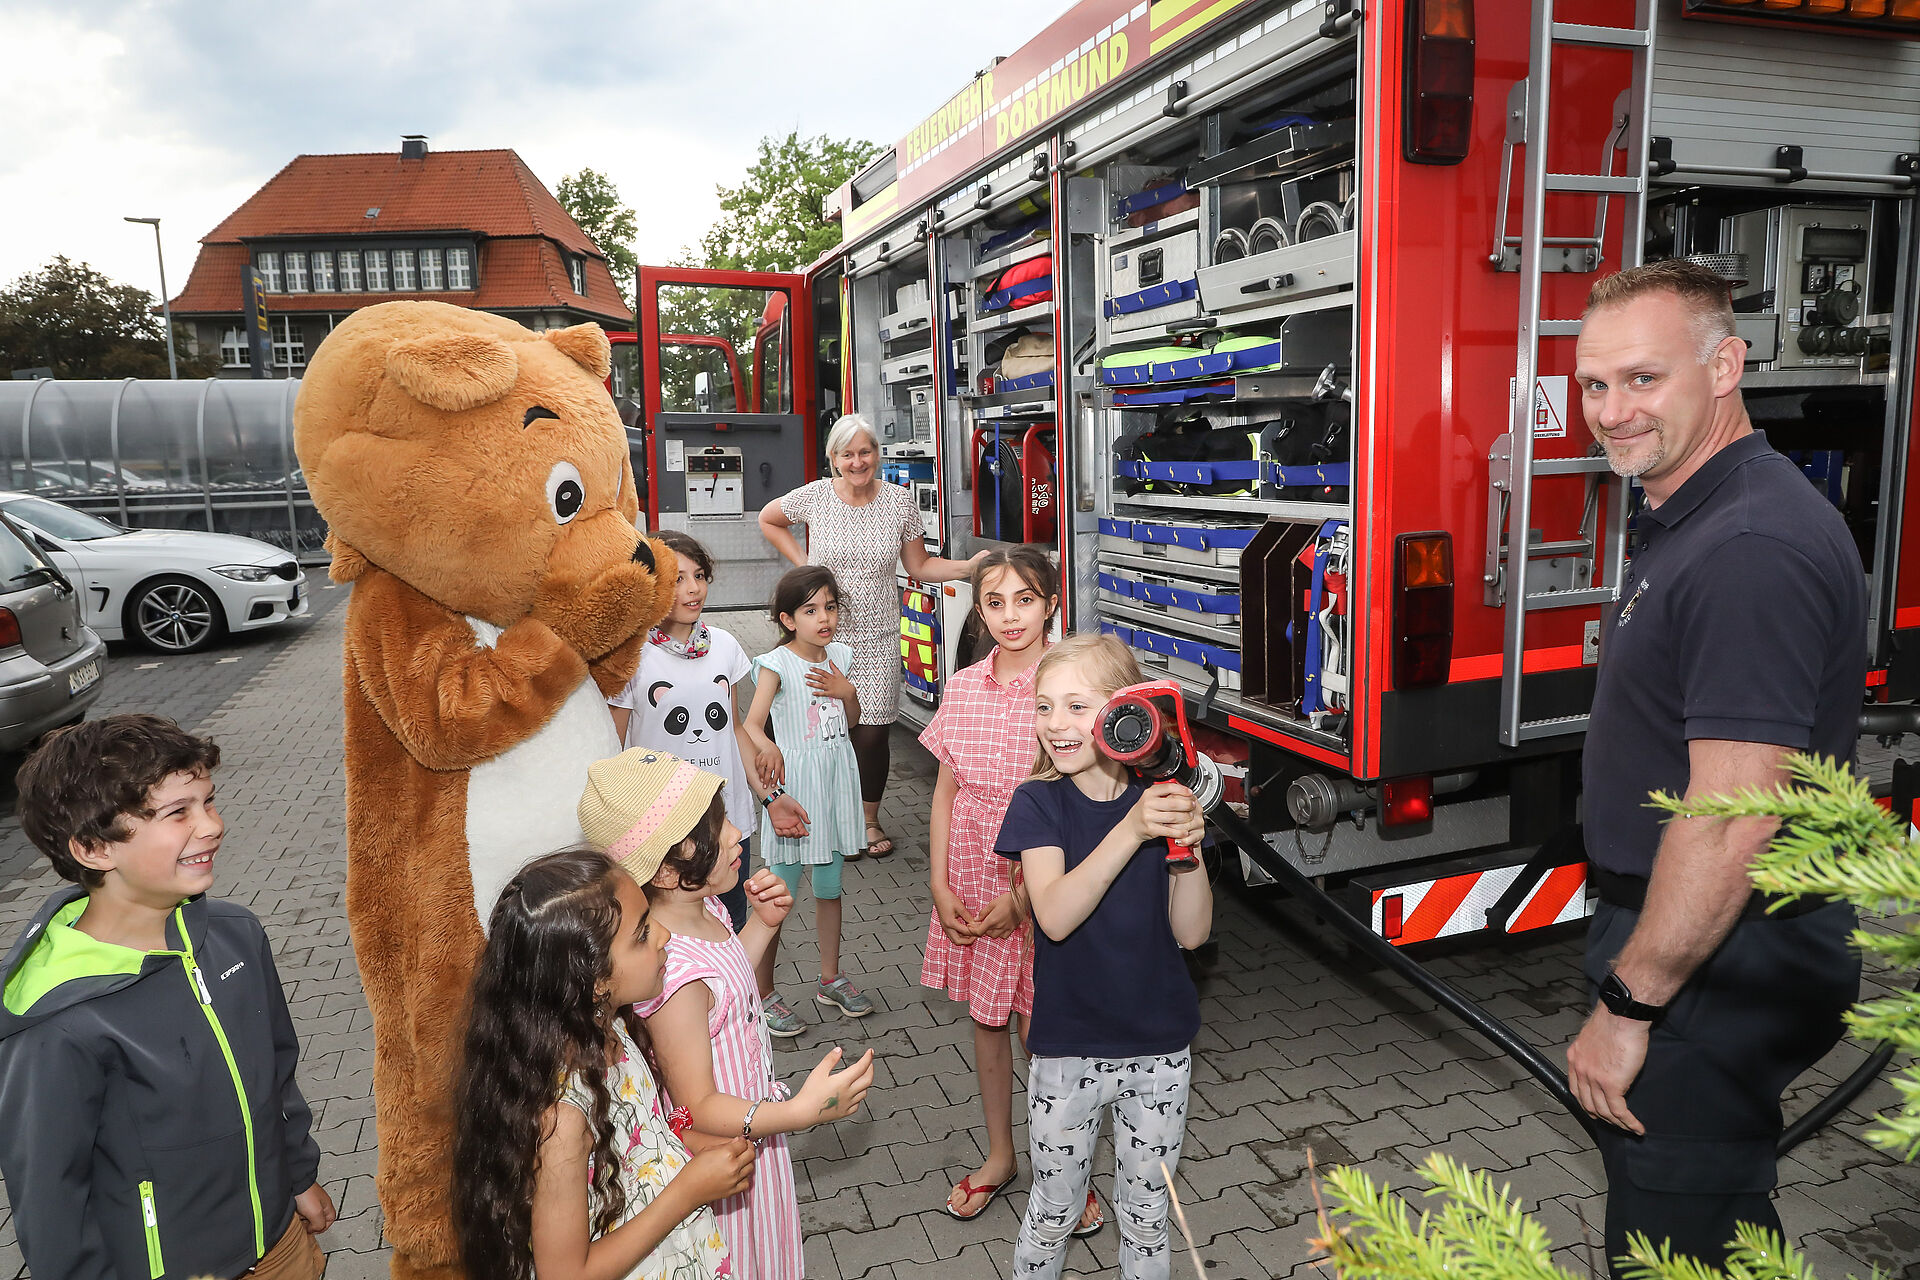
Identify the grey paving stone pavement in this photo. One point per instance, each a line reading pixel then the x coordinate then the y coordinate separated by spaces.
pixel 1306 1057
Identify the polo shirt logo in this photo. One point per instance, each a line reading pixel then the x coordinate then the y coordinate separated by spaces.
pixel 1626 612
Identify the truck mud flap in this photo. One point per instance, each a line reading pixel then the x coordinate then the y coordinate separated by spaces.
pixel 1507 892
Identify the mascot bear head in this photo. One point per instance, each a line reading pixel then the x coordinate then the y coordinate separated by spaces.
pixel 482 464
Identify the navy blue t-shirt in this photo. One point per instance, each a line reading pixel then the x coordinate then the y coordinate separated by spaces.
pixel 1116 987
pixel 1744 618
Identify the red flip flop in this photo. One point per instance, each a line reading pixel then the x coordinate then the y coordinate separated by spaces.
pixel 1091 1228
pixel 990 1191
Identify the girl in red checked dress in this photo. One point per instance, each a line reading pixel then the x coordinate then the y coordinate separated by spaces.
pixel 979 946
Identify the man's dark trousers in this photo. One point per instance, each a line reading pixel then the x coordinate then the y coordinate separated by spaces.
pixel 1761 1010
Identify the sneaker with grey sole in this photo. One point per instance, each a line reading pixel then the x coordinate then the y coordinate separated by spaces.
pixel 842 995
pixel 782 1023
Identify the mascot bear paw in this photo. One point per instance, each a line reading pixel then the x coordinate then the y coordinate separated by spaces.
pixel 478 491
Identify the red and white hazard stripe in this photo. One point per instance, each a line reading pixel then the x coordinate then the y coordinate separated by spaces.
pixel 1449 905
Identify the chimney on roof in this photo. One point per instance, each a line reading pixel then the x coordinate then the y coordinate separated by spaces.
pixel 413 146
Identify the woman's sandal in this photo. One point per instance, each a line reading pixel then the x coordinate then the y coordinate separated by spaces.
pixel 1090 1228
pixel 878 848
pixel 966 1186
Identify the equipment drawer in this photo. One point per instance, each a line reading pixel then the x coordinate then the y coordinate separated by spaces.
pixel 1300 277
pixel 912 367
pixel 1214 542
pixel 1213 603
pixel 1153 282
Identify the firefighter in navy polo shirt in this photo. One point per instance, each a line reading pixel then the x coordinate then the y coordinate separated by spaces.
pixel 1739 637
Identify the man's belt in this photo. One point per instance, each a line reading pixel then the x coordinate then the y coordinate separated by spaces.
pixel 1630 892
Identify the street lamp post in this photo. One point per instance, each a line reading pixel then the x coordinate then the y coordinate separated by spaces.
pixel 166 307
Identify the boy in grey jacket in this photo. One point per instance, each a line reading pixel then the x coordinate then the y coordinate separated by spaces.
pixel 150 1125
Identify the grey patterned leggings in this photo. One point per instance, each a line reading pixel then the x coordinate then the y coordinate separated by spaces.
pixel 1066 1097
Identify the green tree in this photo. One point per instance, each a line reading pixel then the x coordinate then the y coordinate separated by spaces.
pixel 592 201
pixel 70 318
pixel 1836 842
pixel 775 220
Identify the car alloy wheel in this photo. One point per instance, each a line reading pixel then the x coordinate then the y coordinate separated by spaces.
pixel 175 615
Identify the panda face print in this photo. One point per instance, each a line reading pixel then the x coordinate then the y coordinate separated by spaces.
pixel 696 715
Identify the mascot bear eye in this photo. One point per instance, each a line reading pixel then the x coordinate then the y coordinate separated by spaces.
pixel 536 413
pixel 566 493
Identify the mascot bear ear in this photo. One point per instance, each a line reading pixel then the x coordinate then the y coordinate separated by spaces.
pixel 586 345
pixel 454 371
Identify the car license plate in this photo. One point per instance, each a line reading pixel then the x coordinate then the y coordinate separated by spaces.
pixel 299 590
pixel 83 677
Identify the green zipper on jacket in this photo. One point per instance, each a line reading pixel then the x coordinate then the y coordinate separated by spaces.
pixel 205 998
pixel 156 1266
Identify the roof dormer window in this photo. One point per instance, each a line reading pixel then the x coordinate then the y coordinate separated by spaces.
pixel 577 273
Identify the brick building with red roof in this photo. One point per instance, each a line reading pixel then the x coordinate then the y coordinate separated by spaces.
pixel 332 233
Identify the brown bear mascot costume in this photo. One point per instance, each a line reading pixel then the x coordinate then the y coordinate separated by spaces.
pixel 476 484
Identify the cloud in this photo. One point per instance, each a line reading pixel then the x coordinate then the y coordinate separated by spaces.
pixel 183 111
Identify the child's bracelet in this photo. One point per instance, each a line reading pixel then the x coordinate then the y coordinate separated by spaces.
pixel 679 1120
pixel 771 796
pixel 746 1126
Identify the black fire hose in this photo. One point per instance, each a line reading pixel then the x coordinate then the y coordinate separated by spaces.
pixel 1498 1033
pixel 1444 993
pixel 1135 730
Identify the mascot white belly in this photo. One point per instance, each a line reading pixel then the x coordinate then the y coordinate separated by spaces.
pixel 525 802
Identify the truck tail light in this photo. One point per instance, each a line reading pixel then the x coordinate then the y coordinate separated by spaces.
pixel 9 629
pixel 1438 103
pixel 1406 802
pixel 1422 609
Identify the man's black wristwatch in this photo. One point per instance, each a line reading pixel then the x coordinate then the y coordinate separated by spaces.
pixel 1620 1002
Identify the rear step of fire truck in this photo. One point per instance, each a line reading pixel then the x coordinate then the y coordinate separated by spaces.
pixel 1514 466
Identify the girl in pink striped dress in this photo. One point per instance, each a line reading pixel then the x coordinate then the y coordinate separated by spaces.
pixel 716 1060
pixel 979 943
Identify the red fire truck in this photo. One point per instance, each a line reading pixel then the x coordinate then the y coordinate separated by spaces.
pixel 1261 317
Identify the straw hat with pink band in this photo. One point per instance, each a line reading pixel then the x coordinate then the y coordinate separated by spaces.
pixel 642 803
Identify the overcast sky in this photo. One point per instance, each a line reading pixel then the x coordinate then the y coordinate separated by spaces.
pixel 182 110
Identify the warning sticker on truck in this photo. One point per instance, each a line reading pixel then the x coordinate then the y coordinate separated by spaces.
pixel 1549 406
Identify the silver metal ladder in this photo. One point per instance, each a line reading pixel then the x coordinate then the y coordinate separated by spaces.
pixel 1523 468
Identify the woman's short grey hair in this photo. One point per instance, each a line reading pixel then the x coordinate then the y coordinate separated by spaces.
pixel 845 428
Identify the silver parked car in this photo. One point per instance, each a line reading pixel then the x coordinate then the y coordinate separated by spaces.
pixel 51 663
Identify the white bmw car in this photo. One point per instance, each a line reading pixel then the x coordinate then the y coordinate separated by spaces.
pixel 177 590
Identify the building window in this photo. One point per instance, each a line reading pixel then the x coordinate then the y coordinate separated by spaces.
pixel 323 273
pixel 459 269
pixel 377 271
pixel 432 277
pixel 350 271
pixel 234 351
pixel 269 265
pixel 289 344
pixel 404 279
pixel 577 272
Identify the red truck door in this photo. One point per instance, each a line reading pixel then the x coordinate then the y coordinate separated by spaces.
pixel 727 423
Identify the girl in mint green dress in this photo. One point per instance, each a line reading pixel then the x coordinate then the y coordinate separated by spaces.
pixel 812 776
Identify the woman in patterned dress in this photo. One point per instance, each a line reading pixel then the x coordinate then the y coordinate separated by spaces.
pixel 864 529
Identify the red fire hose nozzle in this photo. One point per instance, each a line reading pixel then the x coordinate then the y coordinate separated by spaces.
pixel 1134 729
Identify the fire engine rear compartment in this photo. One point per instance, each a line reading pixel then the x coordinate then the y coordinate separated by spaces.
pixel 1134 340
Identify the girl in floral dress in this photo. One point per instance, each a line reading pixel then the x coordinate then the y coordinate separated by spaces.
pixel 563 1158
pixel 979 945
